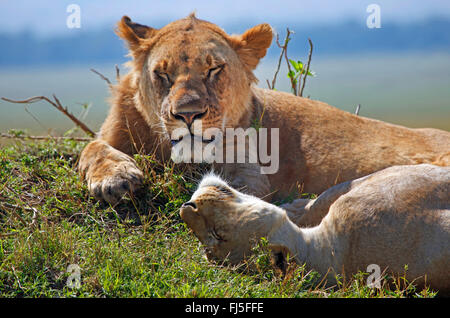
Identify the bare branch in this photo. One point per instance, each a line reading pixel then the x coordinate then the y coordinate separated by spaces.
pixel 12 136
pixel 58 106
pixel 283 48
pixel 117 74
pixel 307 66
pixel 300 83
pixel 286 41
pixel 278 42
pixel 103 77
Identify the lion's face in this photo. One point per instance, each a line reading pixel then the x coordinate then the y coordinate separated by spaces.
pixel 213 214
pixel 194 85
pixel 226 221
pixel 192 76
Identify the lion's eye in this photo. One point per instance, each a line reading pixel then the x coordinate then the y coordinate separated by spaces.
pixel 216 235
pixel 214 71
pixel 165 77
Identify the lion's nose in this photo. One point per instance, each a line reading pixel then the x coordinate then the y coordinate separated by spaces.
pixel 188 213
pixel 189 117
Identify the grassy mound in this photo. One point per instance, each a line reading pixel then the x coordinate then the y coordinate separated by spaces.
pixel 138 248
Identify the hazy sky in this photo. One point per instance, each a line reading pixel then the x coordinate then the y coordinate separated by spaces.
pixel 48 17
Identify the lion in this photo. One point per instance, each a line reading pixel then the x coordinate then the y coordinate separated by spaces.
pixel 394 217
pixel 190 73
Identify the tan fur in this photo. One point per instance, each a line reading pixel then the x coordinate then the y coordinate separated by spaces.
pixel 395 217
pixel 319 145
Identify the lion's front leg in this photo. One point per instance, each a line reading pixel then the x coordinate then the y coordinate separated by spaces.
pixel 109 172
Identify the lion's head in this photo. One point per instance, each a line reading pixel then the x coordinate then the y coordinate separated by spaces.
pixel 228 222
pixel 191 72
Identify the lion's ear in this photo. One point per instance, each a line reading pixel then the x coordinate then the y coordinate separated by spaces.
pixel 253 44
pixel 133 32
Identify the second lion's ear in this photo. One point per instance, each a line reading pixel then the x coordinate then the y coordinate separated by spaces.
pixel 133 33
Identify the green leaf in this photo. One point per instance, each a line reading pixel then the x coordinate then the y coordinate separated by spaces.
pixel 291 74
pixel 295 65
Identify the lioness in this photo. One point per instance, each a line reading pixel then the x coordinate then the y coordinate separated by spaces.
pixel 394 217
pixel 191 71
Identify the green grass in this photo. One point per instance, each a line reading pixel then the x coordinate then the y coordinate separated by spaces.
pixel 139 248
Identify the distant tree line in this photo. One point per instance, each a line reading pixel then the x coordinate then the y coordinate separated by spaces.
pixel 24 48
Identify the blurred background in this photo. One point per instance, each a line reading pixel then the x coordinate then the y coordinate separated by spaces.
pixel 399 72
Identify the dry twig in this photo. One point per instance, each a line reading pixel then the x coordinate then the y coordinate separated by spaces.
pixel 58 106
pixel 307 67
pixel 117 74
pixel 298 91
pixel 283 49
pixel 12 136
pixel 103 77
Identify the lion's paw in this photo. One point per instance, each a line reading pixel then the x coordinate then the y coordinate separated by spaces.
pixel 109 172
pixel 123 178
